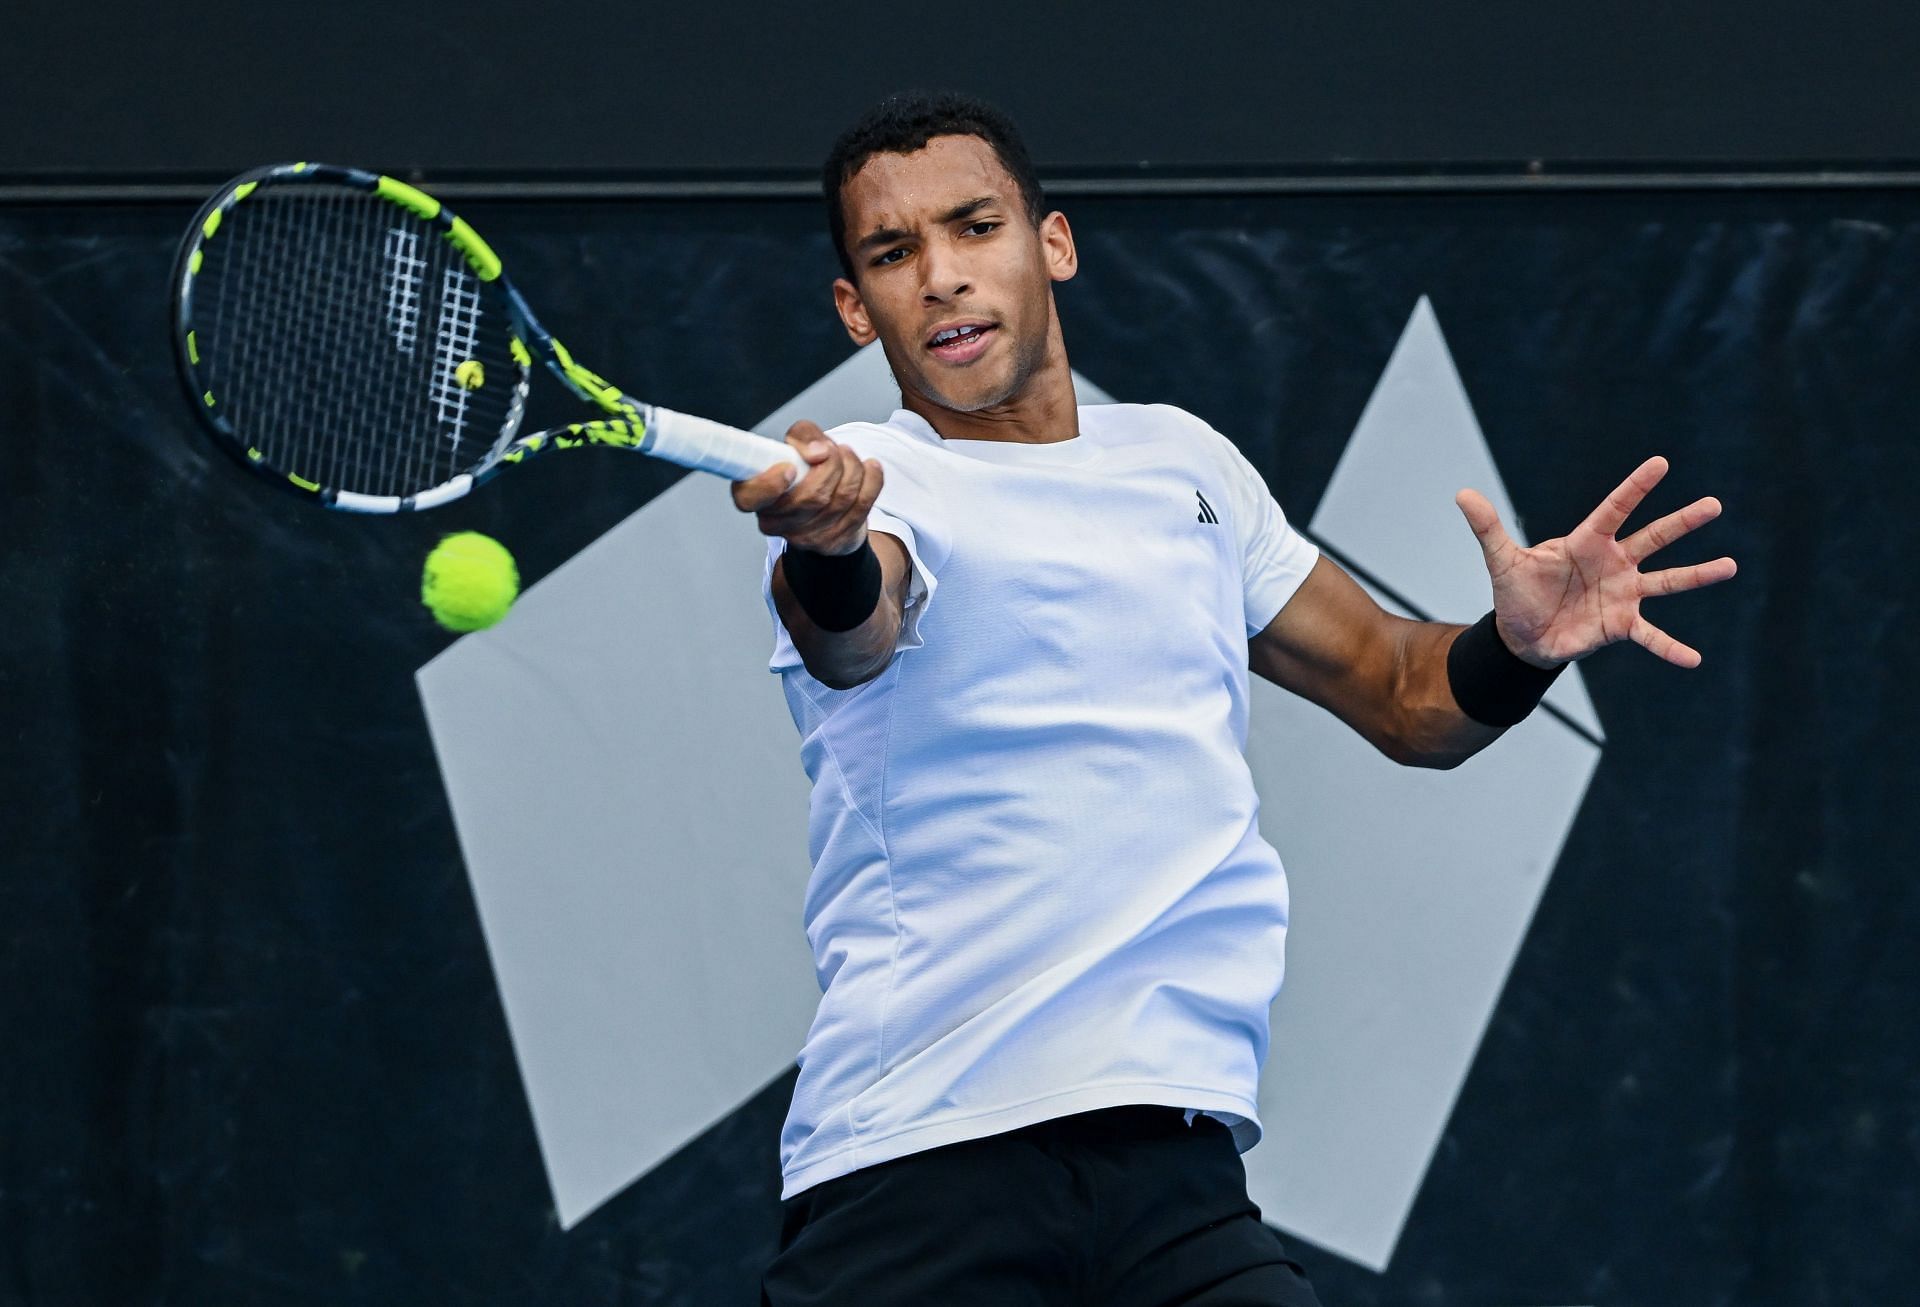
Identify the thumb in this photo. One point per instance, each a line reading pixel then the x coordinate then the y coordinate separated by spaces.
pixel 1485 521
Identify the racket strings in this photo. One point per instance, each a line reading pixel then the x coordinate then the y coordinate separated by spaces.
pixel 340 336
pixel 275 354
pixel 283 351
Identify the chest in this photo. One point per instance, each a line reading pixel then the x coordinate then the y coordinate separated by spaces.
pixel 1132 558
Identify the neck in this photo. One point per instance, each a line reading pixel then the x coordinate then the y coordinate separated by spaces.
pixel 1042 412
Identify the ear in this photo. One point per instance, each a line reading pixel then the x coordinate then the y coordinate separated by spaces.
pixel 1056 244
pixel 853 312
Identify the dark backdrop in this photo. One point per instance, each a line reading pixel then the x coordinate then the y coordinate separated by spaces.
pixel 252 1049
pixel 517 91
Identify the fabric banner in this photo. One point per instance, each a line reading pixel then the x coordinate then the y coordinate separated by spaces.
pixel 294 1004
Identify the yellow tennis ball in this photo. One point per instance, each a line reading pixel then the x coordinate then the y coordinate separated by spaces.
pixel 472 374
pixel 469 581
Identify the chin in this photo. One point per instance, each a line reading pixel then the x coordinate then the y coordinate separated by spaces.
pixel 976 394
pixel 972 403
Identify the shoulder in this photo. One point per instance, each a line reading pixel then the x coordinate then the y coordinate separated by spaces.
pixel 1160 423
pixel 881 440
pixel 913 472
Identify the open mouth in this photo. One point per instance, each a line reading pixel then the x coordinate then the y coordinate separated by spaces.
pixel 962 342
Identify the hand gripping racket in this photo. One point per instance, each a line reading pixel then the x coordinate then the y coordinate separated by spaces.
pixel 349 337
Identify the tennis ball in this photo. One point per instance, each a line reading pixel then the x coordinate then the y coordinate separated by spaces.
pixel 469 581
pixel 471 375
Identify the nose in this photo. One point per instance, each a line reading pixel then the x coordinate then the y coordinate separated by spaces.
pixel 941 276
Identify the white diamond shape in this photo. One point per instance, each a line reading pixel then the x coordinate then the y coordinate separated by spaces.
pixel 1411 890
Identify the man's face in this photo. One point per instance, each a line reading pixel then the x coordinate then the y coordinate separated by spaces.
pixel 951 275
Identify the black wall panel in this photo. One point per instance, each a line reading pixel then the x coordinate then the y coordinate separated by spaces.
pixel 1114 86
pixel 252 1047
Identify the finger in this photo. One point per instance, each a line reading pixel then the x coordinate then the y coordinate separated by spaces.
pixel 763 488
pixel 839 523
pixel 811 441
pixel 1657 642
pixel 1655 536
pixel 815 515
pixel 1485 521
pixel 853 474
pixel 870 485
pixel 1676 580
pixel 783 520
pixel 815 490
pixel 1616 508
pixel 801 509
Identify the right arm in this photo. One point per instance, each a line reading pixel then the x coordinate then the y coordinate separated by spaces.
pixel 827 514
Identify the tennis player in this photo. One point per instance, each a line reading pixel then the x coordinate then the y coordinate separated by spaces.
pixel 1015 635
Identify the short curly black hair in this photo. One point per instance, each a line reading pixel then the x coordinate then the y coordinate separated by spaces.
pixel 903 123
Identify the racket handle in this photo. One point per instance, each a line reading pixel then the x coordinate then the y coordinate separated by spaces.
pixel 712 447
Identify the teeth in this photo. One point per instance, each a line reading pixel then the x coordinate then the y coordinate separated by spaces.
pixel 953 333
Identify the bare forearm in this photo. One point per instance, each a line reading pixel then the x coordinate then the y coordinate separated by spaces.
pixel 1385 676
pixel 1427 727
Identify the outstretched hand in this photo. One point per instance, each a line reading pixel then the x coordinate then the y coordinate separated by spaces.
pixel 1564 598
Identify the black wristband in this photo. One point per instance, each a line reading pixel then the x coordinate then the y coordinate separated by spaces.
pixel 836 591
pixel 1491 684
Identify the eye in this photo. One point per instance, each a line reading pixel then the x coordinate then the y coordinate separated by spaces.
pixel 980 228
pixel 890 257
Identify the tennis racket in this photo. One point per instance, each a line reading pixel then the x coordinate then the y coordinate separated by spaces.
pixel 347 336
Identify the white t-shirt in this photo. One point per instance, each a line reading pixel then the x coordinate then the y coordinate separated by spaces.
pixel 1038 884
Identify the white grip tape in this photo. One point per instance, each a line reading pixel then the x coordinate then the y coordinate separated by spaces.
pixel 712 447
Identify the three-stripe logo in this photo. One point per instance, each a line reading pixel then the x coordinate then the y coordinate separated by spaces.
pixel 1206 509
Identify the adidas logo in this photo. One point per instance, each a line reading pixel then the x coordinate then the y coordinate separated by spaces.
pixel 1206 509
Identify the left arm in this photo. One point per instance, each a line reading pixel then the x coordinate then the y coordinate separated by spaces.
pixel 1384 676
pixel 1388 677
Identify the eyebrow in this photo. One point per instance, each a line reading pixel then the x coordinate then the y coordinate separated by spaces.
pixel 965 209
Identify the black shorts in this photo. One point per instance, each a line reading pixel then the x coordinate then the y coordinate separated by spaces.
pixel 1127 1207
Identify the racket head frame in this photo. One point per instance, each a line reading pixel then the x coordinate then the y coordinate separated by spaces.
pixel 626 425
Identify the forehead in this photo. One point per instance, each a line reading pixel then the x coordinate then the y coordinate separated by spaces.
pixel 903 190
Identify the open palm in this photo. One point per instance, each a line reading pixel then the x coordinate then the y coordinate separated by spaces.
pixel 1567 597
